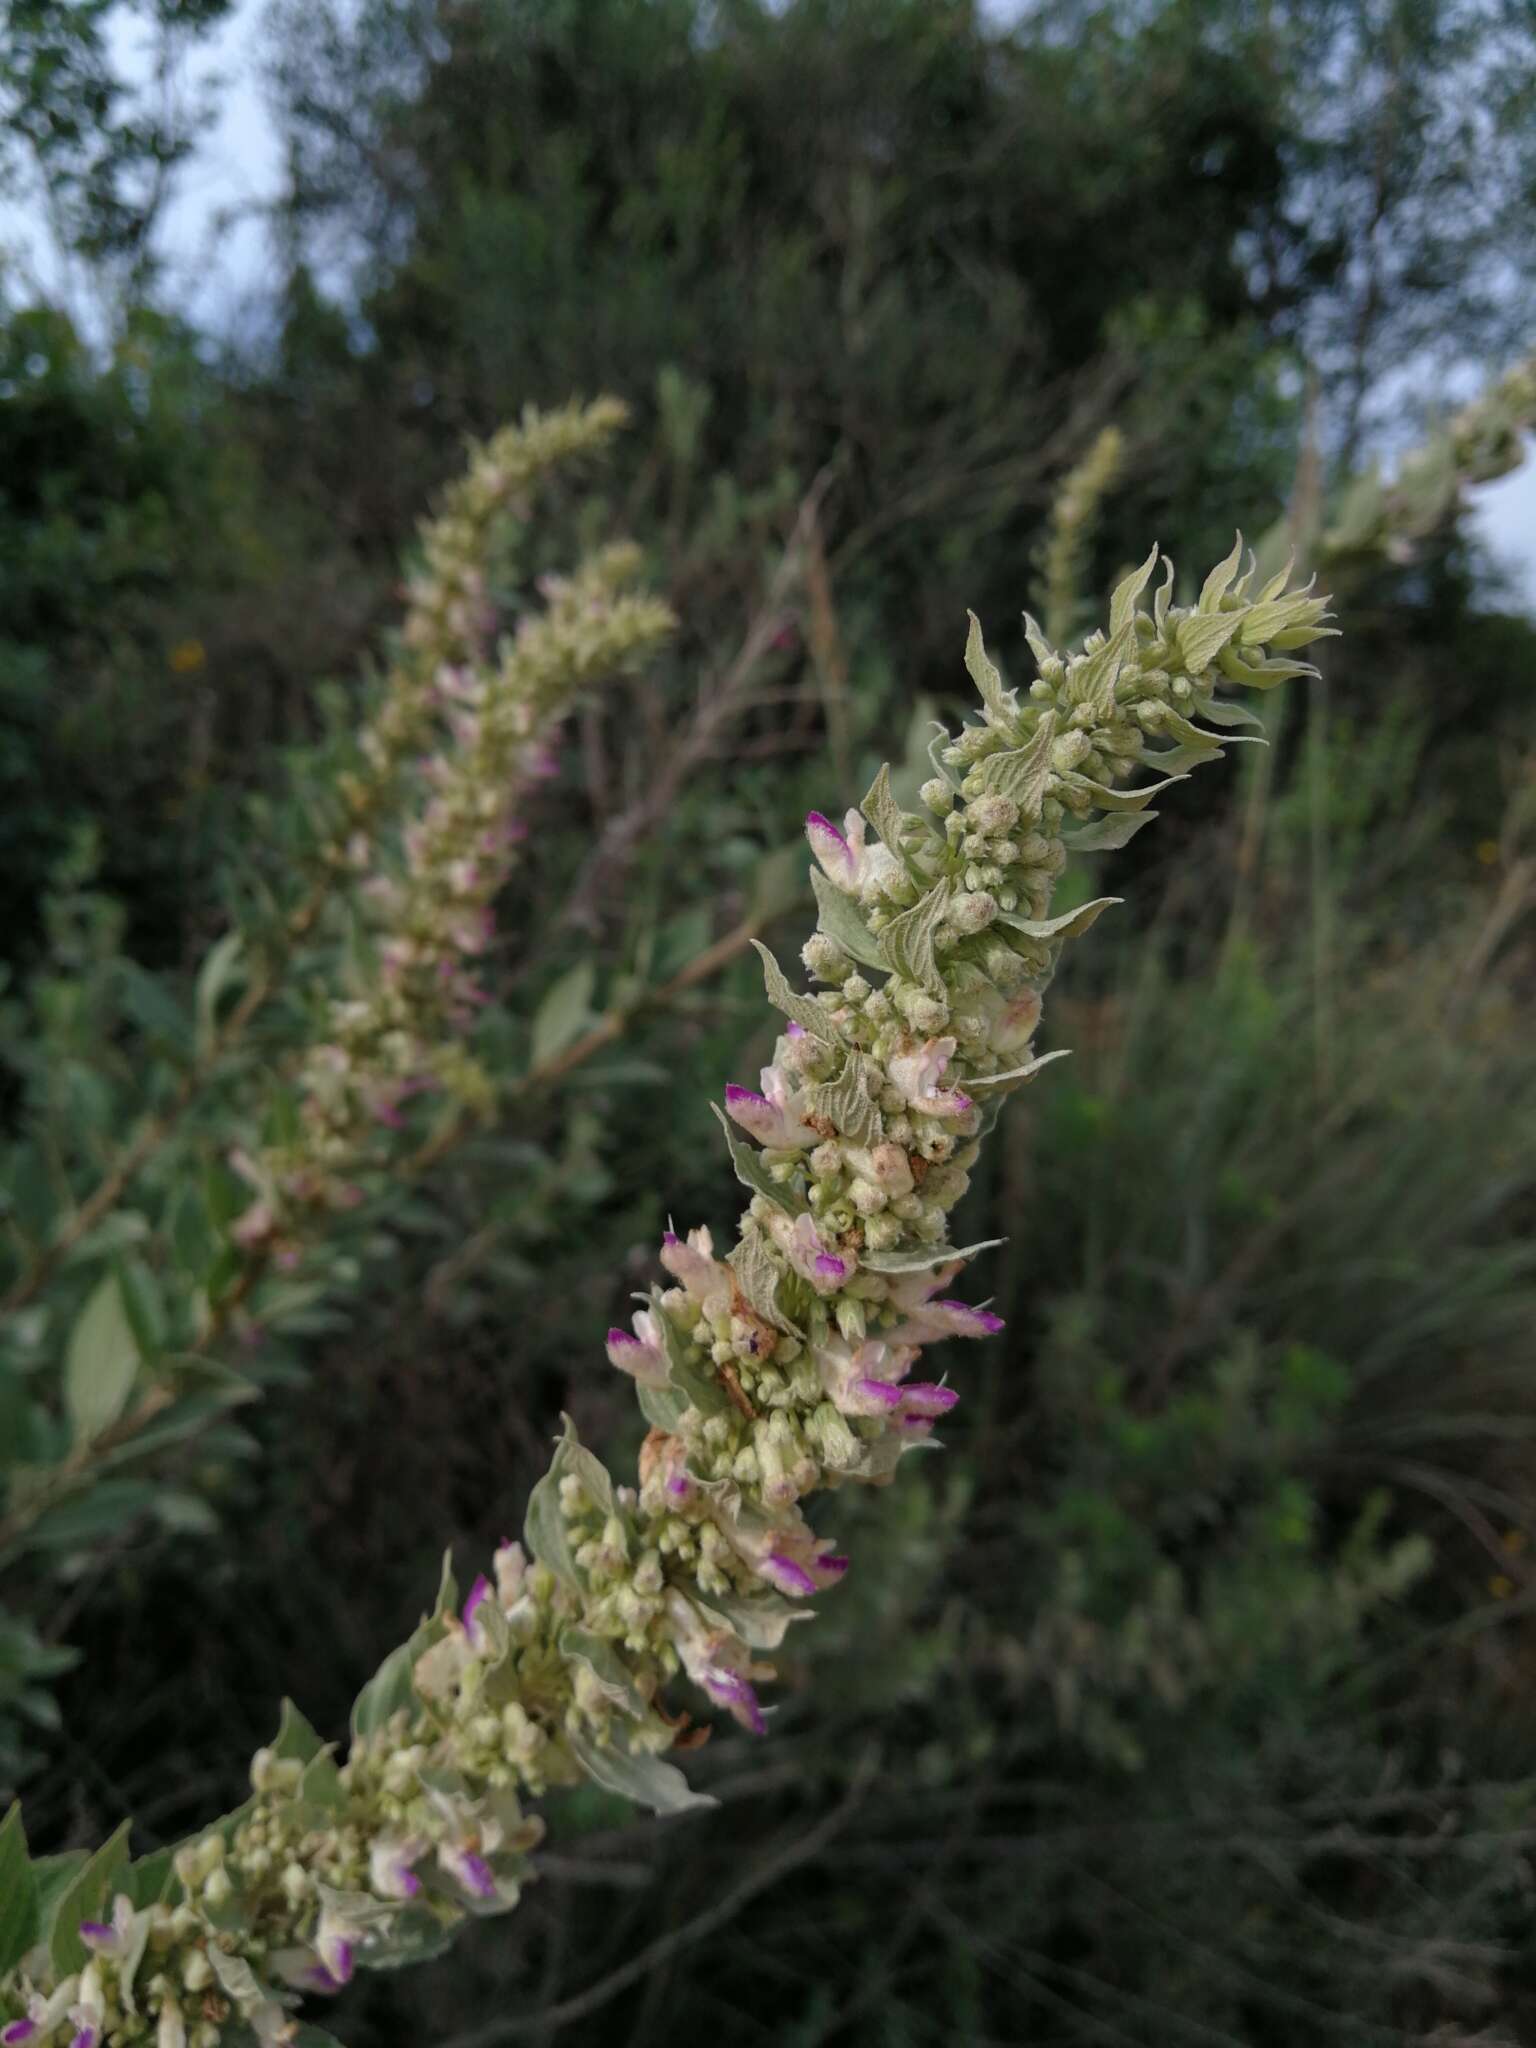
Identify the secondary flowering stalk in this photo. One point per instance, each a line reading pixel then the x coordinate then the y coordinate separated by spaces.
pixel 791 1362
pixel 489 718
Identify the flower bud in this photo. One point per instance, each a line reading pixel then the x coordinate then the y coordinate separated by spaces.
pixel 825 959
pixel 972 913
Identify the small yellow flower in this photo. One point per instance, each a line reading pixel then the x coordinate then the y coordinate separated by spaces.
pixel 1488 852
pixel 187 657
pixel 1500 1587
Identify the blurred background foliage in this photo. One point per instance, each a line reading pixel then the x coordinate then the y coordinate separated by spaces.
pixel 1189 1699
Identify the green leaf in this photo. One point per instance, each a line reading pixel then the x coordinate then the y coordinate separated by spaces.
pixel 105 1509
pixel 545 1534
pixel 295 1737
pixel 883 811
pixel 907 941
pixel 150 1004
pixel 1224 711
pixel 150 1880
pixel 750 1170
pixel 758 1274
pixel 18 1893
pixel 920 1258
pixel 613 1677
pixel 1217 584
pixel 143 1304
pixel 1024 773
pixel 1094 682
pixel 1001 705
pixel 563 1015
pixel 216 974
pixel 1200 637
pixel 1070 925
pixel 1121 799
pixel 1122 606
pixel 86 1897
pixel 544 1529
pixel 1024 1073
pixel 390 1689
pixel 1106 835
pixel 761 1621
pixel 846 1102
pixel 52 1876
pixel 840 919
pixel 100 1363
pixel 647 1780
pixel 695 1386
pixel 805 1010
pixel 192 1239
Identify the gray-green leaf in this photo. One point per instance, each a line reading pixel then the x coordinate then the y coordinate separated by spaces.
pixel 1023 773
pixel 805 1010
pixel 1070 925
pixel 883 811
pixel 563 1015
pixel 845 1102
pixel 1001 705
pixel 841 920
pixel 100 1362
pixel 1106 835
pixel 648 1780
pixel 907 941
pixel 18 1893
pixel 750 1170
pixel 758 1274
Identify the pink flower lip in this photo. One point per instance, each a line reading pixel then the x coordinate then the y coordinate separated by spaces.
pixel 814 821
pixel 679 1486
pixel 883 1391
pixel 984 1316
pixel 788 1576
pixel 735 1094
pixel 794 1030
pixel 929 1399
pixel 479 1591
pixel 826 1263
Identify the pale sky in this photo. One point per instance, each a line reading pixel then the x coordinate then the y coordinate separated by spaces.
pixel 221 270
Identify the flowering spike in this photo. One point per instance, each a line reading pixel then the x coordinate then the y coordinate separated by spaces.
pixel 782 1366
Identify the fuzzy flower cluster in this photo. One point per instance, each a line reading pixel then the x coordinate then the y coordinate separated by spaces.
pixel 793 1360
pixel 489 715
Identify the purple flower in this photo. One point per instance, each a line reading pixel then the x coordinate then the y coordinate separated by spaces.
pixel 389 1867
pixel 479 1592
pixel 934 1320
pixel 643 1356
pixel 801 1244
pixel 788 1577
pixel 918 1074
pixel 842 855
pixel 775 1117
pixel 729 1689
pixel 469 1869
pixel 17 2032
pixel 693 1263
